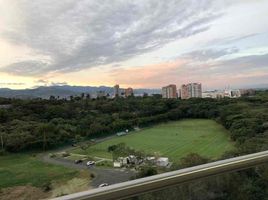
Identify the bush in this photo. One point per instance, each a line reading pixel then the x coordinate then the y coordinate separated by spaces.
pixel 65 154
pixel 105 163
pixel 146 171
pixel 92 175
pixel 52 155
pixel 2 152
pixel 46 187
pixel 192 159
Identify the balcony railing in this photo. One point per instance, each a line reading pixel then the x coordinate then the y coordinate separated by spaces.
pixel 140 186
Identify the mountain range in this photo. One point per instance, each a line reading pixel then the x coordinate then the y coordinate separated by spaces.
pixel 65 91
pixel 62 91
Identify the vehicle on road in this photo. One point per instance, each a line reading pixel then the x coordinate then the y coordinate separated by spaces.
pixel 78 161
pixel 90 163
pixel 103 185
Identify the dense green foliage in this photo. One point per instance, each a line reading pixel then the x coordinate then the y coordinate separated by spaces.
pixel 173 139
pixel 43 124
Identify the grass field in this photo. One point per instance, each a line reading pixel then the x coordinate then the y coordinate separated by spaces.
pixel 173 139
pixel 24 169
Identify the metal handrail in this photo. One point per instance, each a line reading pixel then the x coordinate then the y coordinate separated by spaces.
pixel 152 183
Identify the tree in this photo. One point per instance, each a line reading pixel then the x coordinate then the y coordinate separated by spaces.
pixel 1 137
pixel 3 116
pixel 192 159
pixel 146 171
pixel 48 132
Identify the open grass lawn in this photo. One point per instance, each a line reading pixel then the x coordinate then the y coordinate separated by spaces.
pixel 173 139
pixel 24 169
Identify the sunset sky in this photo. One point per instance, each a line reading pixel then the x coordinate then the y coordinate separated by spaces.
pixel 137 43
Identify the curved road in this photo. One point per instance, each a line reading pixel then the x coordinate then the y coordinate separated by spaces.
pixel 161 181
pixel 102 175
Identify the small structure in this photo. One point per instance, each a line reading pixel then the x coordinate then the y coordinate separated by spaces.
pixel 117 164
pixel 5 106
pixel 162 162
pixel 123 160
pixel 137 128
pixel 152 158
pixel 232 93
pixel 121 133
pixel 133 160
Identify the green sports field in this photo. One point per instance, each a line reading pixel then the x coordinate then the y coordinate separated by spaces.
pixel 173 139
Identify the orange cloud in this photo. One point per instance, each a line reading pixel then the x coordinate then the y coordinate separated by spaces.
pixel 150 76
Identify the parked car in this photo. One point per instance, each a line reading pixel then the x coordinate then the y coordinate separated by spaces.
pixel 90 163
pixel 103 184
pixel 78 161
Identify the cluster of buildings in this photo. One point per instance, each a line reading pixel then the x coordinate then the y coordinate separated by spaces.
pixel 190 90
pixel 133 160
pixel 185 91
pixel 229 93
pixel 120 92
pixel 194 90
pixel 117 92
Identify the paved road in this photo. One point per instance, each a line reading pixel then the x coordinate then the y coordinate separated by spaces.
pixel 102 175
pixel 160 181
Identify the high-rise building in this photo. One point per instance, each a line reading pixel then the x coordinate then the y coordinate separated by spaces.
pixel 191 90
pixel 169 92
pixel 195 90
pixel 184 92
pixel 116 90
pixel 232 93
pixel 179 93
pixel 129 92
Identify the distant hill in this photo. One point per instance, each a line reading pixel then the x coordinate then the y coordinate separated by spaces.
pixel 62 91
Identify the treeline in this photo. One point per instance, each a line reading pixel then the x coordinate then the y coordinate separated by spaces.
pixel 246 119
pixel 44 124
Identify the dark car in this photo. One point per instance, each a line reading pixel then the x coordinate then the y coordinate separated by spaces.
pixel 78 161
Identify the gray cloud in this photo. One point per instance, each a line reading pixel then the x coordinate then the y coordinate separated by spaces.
pixel 83 34
pixel 232 40
pixel 204 64
pixel 12 84
pixel 242 65
pixel 209 54
pixel 42 82
pixel 27 68
pixel 58 83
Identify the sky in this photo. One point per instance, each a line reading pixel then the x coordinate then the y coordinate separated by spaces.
pixel 139 44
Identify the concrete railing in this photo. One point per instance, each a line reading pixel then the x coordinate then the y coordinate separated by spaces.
pixel 153 183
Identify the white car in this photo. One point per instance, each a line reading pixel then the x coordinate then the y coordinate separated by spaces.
pixel 103 184
pixel 89 163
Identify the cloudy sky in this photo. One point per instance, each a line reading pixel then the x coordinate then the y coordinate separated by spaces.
pixel 140 43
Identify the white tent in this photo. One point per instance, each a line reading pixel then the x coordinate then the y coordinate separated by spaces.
pixel 162 162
